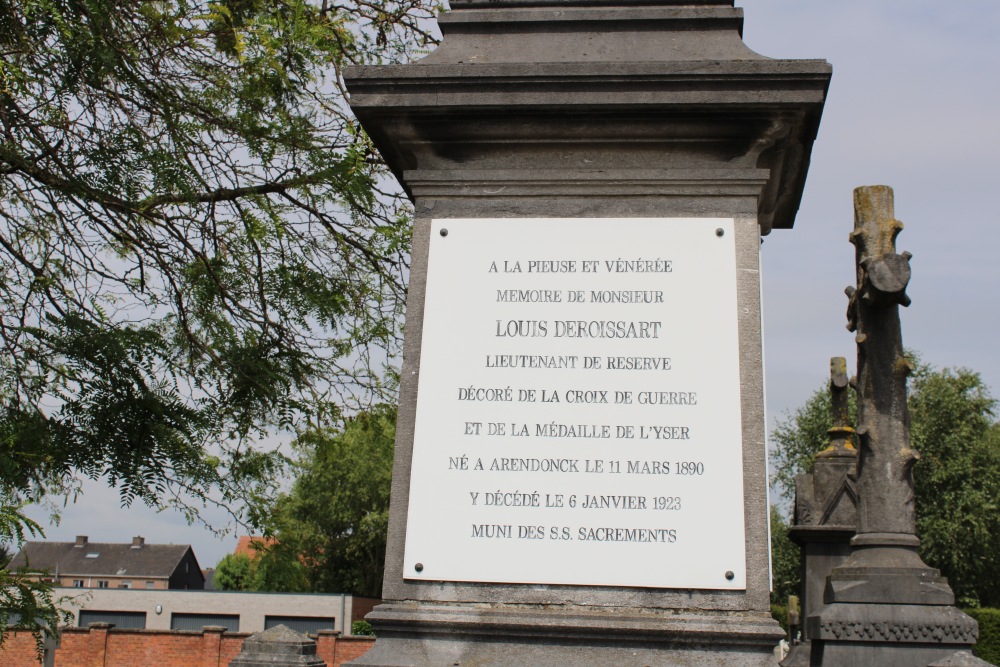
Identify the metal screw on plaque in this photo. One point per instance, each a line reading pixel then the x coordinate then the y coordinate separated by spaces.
pixel 444 232
pixel 730 575
pixel 419 567
pixel 719 231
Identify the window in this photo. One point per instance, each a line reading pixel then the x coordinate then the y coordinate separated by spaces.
pixel 125 584
pixel 308 625
pixel 196 622
pixel 133 620
pixel 78 583
pixel 150 584
pixel 102 584
pixel 93 554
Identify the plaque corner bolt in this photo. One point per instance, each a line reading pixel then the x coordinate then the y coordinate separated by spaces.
pixel 419 567
pixel 444 231
pixel 720 232
pixel 730 575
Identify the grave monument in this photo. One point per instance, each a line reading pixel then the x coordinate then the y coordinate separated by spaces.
pixel 279 646
pixel 884 605
pixel 825 509
pixel 580 472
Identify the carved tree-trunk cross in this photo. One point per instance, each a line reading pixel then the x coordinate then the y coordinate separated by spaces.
pixel 885 463
pixel 884 605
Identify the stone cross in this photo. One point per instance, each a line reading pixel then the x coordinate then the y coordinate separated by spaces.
pixel 885 465
pixel 884 605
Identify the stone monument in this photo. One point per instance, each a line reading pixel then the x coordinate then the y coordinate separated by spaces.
pixel 279 646
pixel 825 509
pixel 884 606
pixel 580 466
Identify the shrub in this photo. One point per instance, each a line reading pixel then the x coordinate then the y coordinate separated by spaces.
pixel 362 629
pixel 988 646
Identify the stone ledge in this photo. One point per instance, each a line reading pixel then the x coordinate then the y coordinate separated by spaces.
pixel 893 623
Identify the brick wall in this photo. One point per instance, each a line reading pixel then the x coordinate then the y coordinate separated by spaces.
pixel 99 646
pixel 335 650
pixel 18 650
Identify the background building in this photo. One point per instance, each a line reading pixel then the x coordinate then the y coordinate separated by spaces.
pixel 233 610
pixel 85 564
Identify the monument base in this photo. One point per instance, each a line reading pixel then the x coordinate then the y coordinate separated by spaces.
pixel 888 635
pixel 798 656
pixel 422 635
pixel 886 607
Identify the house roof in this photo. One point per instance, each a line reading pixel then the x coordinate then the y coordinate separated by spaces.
pixel 247 545
pixel 103 559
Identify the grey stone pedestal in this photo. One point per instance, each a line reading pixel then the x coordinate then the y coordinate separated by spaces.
pixel 537 636
pixel 608 109
pixel 277 647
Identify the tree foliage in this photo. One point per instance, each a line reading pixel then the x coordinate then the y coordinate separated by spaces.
pixel 785 574
pixel 334 519
pixel 198 248
pixel 270 569
pixel 957 479
pixel 232 573
pixel 195 246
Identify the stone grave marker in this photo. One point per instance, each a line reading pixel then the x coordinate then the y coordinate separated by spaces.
pixel 884 605
pixel 580 468
pixel 825 509
pixel 279 646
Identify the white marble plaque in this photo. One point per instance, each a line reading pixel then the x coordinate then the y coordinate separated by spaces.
pixel 578 410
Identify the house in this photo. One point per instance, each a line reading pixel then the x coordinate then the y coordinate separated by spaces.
pixel 251 545
pixel 85 564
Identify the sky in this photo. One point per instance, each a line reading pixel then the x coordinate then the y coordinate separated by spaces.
pixel 914 104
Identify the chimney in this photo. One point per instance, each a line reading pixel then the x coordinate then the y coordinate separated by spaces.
pixel 81 540
pixel 138 541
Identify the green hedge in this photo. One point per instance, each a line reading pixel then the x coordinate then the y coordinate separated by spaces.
pixel 988 645
pixel 362 629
